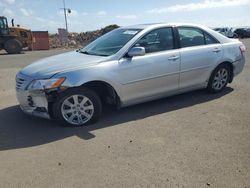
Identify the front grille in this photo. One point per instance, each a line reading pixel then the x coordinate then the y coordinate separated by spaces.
pixel 22 81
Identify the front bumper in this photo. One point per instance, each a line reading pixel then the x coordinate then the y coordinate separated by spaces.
pixel 33 103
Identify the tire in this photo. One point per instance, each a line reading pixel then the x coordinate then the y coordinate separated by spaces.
pixel 219 79
pixel 13 46
pixel 87 110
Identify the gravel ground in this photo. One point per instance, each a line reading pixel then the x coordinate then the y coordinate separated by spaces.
pixel 190 140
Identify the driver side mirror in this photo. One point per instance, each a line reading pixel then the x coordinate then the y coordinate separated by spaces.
pixel 136 51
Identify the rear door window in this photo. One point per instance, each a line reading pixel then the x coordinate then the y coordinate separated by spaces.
pixel 191 37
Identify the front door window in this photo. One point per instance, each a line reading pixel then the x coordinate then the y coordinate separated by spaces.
pixel 157 40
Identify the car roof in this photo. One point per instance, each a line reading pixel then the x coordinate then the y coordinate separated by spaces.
pixel 218 36
pixel 155 25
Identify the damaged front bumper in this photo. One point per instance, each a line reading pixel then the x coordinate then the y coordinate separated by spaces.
pixel 31 102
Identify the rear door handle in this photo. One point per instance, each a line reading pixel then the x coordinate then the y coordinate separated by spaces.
pixel 174 58
pixel 216 50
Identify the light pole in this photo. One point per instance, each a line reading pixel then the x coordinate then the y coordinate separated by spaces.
pixel 65 10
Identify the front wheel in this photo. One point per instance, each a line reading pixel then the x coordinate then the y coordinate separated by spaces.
pixel 78 107
pixel 219 79
pixel 13 46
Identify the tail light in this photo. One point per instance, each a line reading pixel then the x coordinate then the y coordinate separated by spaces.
pixel 243 48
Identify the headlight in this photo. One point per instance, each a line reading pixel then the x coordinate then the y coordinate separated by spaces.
pixel 46 84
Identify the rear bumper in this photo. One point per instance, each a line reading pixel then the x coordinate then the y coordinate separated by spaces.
pixel 33 103
pixel 239 65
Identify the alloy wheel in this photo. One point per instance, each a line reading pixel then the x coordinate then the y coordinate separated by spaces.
pixel 77 109
pixel 220 79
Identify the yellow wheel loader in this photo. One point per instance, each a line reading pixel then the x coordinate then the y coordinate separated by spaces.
pixel 13 39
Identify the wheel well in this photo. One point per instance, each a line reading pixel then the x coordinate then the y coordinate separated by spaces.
pixel 105 91
pixel 230 65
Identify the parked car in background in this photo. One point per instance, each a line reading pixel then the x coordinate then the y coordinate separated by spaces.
pixel 243 32
pixel 127 66
pixel 240 32
pixel 226 31
pixel 247 32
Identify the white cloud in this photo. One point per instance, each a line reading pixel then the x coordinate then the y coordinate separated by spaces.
pixel 40 19
pixel 207 4
pixel 26 12
pixel 60 13
pixel 127 17
pixel 101 13
pixel 84 13
pixel 10 2
pixel 7 12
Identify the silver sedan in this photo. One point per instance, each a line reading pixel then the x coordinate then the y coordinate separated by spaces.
pixel 127 66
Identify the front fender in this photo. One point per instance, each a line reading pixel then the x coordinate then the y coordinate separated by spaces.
pixel 78 78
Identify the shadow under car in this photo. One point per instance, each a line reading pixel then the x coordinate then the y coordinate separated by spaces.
pixel 18 130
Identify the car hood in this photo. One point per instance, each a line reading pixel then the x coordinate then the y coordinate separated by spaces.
pixel 47 67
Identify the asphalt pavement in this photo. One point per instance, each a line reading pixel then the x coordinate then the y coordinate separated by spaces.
pixel 191 140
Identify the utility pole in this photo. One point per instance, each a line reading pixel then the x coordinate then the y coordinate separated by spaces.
pixel 65 15
pixel 66 10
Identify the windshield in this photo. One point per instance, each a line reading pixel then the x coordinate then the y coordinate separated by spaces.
pixel 110 43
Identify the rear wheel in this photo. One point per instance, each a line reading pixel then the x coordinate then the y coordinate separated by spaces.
pixel 78 107
pixel 219 79
pixel 13 46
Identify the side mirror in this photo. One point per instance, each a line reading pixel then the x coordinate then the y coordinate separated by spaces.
pixel 136 51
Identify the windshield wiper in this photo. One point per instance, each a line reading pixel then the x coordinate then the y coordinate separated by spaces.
pixel 85 52
pixel 100 54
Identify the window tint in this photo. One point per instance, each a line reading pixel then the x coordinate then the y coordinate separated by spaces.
pixel 157 40
pixel 191 37
pixel 209 39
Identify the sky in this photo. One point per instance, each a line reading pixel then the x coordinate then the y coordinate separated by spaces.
pixel 46 15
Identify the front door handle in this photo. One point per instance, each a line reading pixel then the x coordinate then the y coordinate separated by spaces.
pixel 216 50
pixel 174 58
